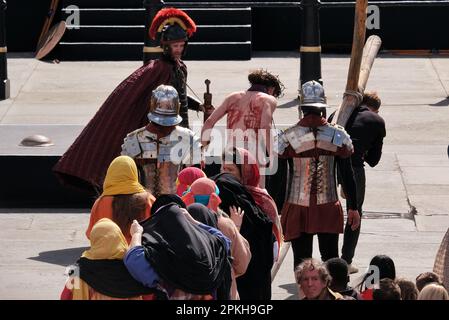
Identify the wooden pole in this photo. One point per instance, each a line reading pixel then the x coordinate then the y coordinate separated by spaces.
pixel 350 101
pixel 370 51
pixel 4 81
pixel 48 20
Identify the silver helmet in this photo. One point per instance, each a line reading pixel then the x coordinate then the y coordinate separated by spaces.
pixel 164 109
pixel 312 95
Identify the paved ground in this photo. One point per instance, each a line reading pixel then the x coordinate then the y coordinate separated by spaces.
pixel 407 194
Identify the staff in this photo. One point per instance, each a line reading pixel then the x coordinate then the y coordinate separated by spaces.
pixel 4 81
pixel 352 96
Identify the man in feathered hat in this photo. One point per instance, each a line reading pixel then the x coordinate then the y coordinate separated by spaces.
pixel 85 163
pixel 172 28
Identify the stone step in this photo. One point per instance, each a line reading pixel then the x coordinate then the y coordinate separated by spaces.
pixel 135 33
pixel 112 51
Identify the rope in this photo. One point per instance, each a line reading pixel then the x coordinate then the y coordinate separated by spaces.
pixel 355 94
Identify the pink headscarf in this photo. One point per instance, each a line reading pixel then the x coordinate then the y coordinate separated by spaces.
pixel 249 170
pixel 203 189
pixel 186 177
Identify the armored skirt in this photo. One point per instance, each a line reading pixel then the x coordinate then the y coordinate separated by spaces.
pixel 323 218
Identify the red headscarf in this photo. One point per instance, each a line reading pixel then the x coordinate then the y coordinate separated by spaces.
pixel 204 188
pixel 186 177
pixel 249 170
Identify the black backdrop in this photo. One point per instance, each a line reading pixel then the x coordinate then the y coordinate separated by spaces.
pixel 273 29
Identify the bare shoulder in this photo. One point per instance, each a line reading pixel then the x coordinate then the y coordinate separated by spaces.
pixel 266 98
pixel 235 95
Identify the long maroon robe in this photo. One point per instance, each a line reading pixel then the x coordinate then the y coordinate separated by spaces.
pixel 85 163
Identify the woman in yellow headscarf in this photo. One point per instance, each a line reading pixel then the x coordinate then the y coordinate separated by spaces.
pixel 123 199
pixel 100 273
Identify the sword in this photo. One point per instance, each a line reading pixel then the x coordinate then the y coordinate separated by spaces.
pixel 207 107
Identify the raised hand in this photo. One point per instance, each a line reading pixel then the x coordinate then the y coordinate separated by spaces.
pixel 236 215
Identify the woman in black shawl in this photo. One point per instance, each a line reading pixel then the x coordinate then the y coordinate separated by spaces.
pixel 187 258
pixel 165 199
pixel 204 215
pixel 256 227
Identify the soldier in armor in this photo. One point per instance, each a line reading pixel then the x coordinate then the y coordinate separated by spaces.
pixel 162 148
pixel 85 163
pixel 312 206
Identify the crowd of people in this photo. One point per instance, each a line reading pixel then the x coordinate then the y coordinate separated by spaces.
pixel 210 241
pixel 330 281
pixel 161 228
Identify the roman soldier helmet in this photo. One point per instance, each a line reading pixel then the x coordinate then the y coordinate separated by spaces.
pixel 313 98
pixel 164 108
pixel 171 25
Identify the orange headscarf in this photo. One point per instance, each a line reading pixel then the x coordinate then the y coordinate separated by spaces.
pixel 205 191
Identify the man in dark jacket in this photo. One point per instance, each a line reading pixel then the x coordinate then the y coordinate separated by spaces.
pixel 367 131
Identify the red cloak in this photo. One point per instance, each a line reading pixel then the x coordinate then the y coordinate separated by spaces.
pixel 85 163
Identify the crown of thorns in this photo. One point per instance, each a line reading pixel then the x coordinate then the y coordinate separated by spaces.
pixel 265 78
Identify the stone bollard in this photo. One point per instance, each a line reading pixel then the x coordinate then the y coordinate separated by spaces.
pixel 4 81
pixel 151 49
pixel 310 43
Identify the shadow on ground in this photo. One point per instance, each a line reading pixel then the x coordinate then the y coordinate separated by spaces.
pixel 292 289
pixel 290 104
pixel 62 257
pixel 442 103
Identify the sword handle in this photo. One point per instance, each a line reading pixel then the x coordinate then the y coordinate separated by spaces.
pixel 207 82
pixel 208 108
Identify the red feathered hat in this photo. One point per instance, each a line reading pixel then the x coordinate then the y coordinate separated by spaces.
pixel 171 16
